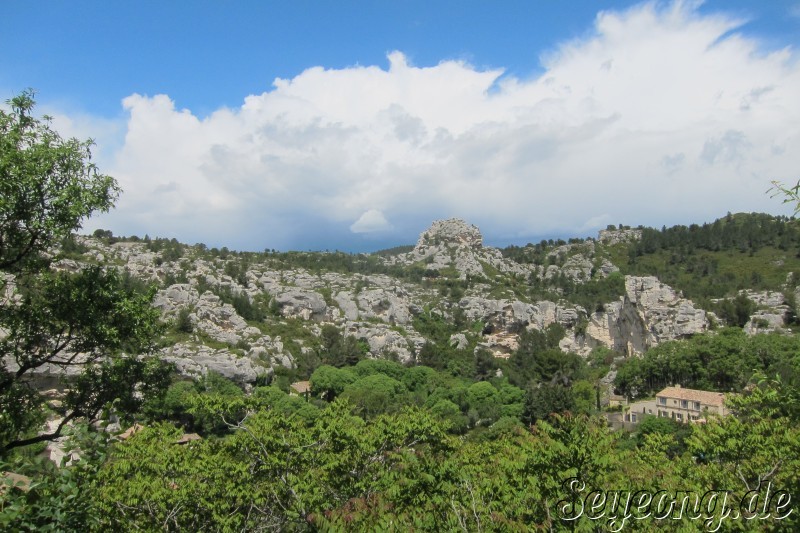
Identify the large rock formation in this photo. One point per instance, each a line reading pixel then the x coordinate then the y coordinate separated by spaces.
pixel 514 315
pixel 380 309
pixel 772 314
pixel 649 313
pixel 194 361
pixel 503 320
pixel 300 303
pixel 453 243
pixel 385 342
pixel 209 314
pixel 453 232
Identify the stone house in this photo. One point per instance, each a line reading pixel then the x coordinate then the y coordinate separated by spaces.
pixel 680 404
pixel 300 388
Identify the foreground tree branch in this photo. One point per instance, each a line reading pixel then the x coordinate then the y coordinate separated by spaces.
pixel 87 320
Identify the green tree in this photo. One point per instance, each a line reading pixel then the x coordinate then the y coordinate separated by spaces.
pixel 275 472
pixel 545 400
pixel 737 311
pixel 328 382
pixel 584 394
pixel 450 412
pixel 484 403
pixel 183 323
pixel 432 356
pixel 174 404
pixel 675 432
pixel 539 358
pixel 485 364
pixel 84 321
pixel 290 405
pixel 755 447
pixel 48 185
pixel 375 394
pixel 337 349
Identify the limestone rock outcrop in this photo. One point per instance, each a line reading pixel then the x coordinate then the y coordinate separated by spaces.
pixel 385 342
pixel 765 321
pixel 511 315
pixel 452 231
pixel 300 303
pixel 196 361
pixel 209 314
pixel 649 313
pixel 380 309
pixel 390 306
pixel 617 236
pixel 772 314
pixel 453 243
pixel 220 321
pixel 176 297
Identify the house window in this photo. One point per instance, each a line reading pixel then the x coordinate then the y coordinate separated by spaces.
pixel 697 406
pixel 662 401
pixel 679 417
pixel 684 404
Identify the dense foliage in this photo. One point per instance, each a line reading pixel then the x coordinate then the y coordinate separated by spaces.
pixel 705 262
pixel 723 362
pixel 81 321
pixel 282 468
pixel 743 251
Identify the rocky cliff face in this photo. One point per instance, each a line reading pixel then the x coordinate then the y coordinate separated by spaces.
pixel 772 313
pixel 455 244
pixel 453 231
pixel 649 313
pixel 380 310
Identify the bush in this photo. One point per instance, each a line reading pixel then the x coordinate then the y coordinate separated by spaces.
pixel 183 323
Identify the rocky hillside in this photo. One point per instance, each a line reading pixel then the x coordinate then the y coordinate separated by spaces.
pixel 247 316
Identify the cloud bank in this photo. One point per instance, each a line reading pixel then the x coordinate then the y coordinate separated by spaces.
pixel 661 115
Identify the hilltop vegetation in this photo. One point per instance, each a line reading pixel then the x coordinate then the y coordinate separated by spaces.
pixel 744 251
pixel 713 260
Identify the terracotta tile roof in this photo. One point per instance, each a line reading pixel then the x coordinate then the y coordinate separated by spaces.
pixel 692 395
pixel 188 437
pixel 301 387
pixel 130 431
pixel 11 479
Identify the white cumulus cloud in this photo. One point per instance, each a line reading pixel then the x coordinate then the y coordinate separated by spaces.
pixel 370 222
pixel 661 115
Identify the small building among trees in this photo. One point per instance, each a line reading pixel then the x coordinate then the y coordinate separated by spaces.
pixel 679 404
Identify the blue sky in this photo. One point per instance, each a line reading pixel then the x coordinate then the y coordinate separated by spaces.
pixel 391 114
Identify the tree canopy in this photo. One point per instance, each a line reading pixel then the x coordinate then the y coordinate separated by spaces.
pixel 77 324
pixel 48 185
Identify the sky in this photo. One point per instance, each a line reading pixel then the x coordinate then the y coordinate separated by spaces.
pixel 353 125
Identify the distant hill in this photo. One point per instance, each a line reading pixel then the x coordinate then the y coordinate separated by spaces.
pixel 246 314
